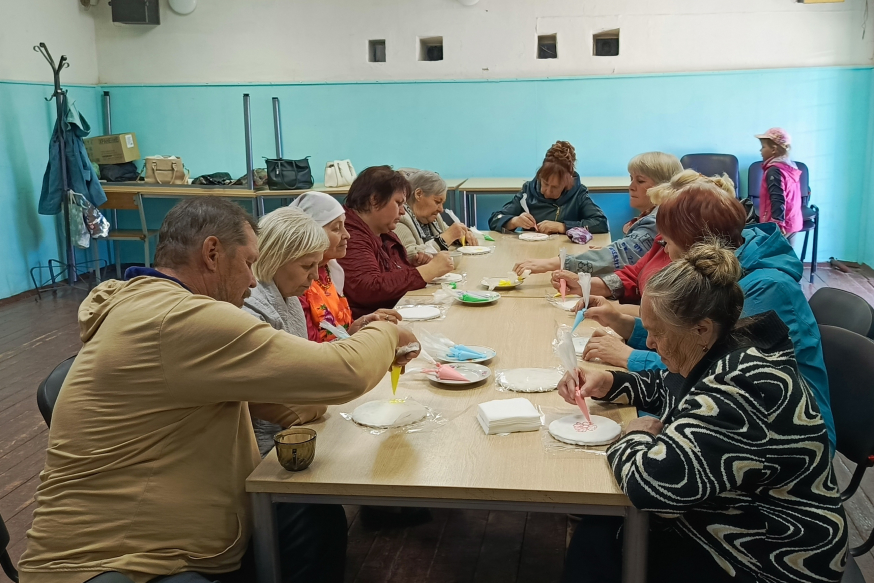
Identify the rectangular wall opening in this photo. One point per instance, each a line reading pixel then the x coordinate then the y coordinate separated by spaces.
pixel 547 46
pixel 431 48
pixel 606 44
pixel 376 51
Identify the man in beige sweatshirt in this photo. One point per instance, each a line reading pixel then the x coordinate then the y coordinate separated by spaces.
pixel 151 439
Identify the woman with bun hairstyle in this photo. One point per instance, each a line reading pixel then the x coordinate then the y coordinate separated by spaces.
pixel 556 199
pixel 732 461
pixel 770 282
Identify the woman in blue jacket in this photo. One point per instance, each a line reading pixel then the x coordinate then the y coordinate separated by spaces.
pixel 556 199
pixel 770 282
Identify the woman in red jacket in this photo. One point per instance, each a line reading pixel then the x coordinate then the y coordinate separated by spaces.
pixel 378 273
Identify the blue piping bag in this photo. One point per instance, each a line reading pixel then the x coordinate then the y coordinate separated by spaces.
pixel 579 318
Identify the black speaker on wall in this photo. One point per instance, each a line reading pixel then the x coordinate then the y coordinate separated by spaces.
pixel 135 11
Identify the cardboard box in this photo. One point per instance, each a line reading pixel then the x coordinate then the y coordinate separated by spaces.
pixel 114 149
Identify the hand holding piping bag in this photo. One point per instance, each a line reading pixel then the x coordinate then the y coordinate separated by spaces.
pixel 524 203
pixel 568 357
pixel 562 254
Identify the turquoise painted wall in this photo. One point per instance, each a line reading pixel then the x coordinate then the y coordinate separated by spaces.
pixel 503 128
pixel 28 239
pixel 487 128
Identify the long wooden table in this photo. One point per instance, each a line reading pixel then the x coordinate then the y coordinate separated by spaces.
pixel 457 465
pixel 508 250
pixel 474 186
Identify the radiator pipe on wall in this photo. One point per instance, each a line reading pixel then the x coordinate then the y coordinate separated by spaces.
pixel 247 122
pixel 277 127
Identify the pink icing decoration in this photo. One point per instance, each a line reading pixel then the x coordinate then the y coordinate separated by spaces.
pixel 583 426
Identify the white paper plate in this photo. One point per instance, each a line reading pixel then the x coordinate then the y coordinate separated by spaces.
pixel 567 430
pixel 474 250
pixel 418 313
pixel 489 352
pixel 389 413
pixel 533 236
pixel 530 380
pixel 474 373
pixel 487 281
pixel 448 278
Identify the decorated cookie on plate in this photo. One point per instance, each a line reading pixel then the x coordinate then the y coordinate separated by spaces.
pixel 576 430
pixel 389 413
pixel 533 236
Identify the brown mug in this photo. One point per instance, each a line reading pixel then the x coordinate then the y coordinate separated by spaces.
pixel 295 448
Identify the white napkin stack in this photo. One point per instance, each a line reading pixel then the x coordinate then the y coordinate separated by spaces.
pixel 508 416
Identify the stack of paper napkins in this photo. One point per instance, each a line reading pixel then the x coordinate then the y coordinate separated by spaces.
pixel 508 416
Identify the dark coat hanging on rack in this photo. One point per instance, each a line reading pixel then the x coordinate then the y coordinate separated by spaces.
pixel 81 175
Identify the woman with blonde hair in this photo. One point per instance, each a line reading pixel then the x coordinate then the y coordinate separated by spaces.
pixel 627 284
pixel 646 171
pixel 291 247
pixel 556 199
pixel 422 223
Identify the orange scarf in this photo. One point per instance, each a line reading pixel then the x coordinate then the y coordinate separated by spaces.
pixel 326 304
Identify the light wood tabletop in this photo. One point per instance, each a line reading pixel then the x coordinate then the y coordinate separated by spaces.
pixel 508 250
pixel 595 184
pixel 457 460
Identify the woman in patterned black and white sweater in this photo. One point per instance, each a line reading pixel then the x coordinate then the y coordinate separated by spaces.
pixel 736 464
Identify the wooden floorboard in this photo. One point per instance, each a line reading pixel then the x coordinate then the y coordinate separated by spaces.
pixel 457 546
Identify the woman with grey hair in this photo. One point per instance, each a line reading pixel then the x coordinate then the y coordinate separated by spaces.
pixel 734 463
pixel 422 221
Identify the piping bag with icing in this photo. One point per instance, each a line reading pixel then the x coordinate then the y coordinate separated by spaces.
pixel 337 331
pixel 396 370
pixel 568 358
pixel 586 284
pixel 524 203
pixel 443 372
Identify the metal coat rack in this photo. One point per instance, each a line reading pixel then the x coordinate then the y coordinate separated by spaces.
pixel 68 265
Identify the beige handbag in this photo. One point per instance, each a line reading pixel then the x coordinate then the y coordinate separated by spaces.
pixel 165 170
pixel 339 173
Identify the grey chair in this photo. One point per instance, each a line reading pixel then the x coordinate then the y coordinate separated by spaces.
pixel 842 309
pixel 5 559
pixel 48 390
pixel 713 164
pixel 809 212
pixel 849 360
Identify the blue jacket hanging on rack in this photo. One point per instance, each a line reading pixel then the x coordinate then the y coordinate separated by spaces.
pixel 81 177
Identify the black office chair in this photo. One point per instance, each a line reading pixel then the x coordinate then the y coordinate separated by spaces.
pixel 713 164
pixel 809 212
pixel 843 309
pixel 47 393
pixel 849 361
pixel 5 559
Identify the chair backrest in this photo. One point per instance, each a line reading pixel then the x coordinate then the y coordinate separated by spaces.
pixel 712 164
pixel 849 361
pixel 754 183
pixel 842 309
pixel 47 393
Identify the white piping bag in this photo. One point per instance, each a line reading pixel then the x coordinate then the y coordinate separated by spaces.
pixel 568 356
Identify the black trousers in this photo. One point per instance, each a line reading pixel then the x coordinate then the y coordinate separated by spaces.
pixel 595 555
pixel 312 549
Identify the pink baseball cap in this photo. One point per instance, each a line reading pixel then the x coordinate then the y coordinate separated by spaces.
pixel 777 135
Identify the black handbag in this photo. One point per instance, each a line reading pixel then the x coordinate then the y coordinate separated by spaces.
pixel 285 174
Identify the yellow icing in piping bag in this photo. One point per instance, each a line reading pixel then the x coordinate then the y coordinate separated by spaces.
pixel 395 377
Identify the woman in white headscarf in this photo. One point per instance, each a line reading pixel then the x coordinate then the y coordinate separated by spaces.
pixel 324 300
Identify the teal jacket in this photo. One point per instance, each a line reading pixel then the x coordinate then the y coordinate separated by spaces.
pixel 771 275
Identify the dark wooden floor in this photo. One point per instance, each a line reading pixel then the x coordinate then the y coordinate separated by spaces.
pixel 456 546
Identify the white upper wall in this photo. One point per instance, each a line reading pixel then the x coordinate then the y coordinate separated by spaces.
pixel 65 27
pixel 228 41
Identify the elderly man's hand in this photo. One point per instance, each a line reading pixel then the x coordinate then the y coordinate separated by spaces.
pixel 645 423
pixel 607 348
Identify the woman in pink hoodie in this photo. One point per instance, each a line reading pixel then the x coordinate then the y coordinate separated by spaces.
pixel 780 192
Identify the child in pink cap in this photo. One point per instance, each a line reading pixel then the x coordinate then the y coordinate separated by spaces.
pixel 780 192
